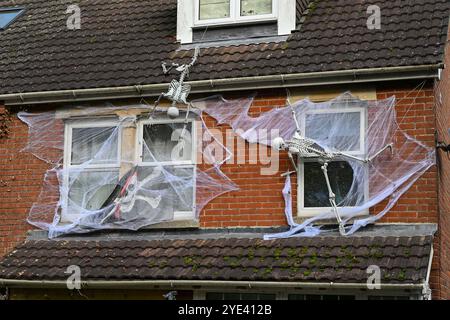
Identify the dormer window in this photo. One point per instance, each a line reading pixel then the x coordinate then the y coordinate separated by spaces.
pixel 216 20
pixel 214 12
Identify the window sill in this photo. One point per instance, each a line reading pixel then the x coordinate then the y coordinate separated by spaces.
pixel 176 224
pixel 237 23
pixel 325 222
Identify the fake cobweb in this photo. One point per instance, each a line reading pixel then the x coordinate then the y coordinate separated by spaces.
pixel 345 124
pixel 130 172
pixel 122 171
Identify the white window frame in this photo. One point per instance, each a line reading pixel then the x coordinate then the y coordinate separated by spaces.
pixel 285 14
pixel 178 215
pixel 235 15
pixel 66 216
pixel 306 212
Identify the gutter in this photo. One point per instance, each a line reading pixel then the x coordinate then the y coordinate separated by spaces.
pixel 192 284
pixel 231 84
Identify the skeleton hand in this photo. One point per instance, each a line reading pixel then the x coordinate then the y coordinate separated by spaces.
pixel 167 70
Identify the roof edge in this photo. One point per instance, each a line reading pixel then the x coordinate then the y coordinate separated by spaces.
pixel 146 284
pixel 231 84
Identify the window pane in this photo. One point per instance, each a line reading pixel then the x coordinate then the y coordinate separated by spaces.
pixel 240 296
pixel 316 191
pixel 182 183
pixel 214 296
pixel 296 297
pixel 249 296
pixel 152 193
pixel 335 130
pixel 313 297
pixel 167 142
pixel 97 145
pixel 214 9
pixel 172 186
pixel 330 297
pixel 267 296
pixel 388 298
pixel 319 297
pixel 7 16
pixel 231 296
pixel 89 190
pixel 255 7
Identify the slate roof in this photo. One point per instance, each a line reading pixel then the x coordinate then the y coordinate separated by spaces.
pixel 123 42
pixel 402 259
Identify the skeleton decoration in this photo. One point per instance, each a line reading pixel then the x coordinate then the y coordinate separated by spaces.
pixel 126 194
pixel 382 162
pixel 304 148
pixel 113 169
pixel 91 190
pixel 178 91
pixel 86 189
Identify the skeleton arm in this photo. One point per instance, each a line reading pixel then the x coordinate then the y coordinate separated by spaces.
pixel 167 70
pixel 366 160
pixel 179 67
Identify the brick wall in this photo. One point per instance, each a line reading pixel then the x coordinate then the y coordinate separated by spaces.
pixel 21 177
pixel 443 124
pixel 415 115
pixel 258 202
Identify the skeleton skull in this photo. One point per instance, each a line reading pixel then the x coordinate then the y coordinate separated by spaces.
pixel 278 143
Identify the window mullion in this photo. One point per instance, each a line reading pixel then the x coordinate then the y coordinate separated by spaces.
pixel 234 9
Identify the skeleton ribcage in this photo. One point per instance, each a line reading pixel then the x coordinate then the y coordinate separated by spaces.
pixel 177 92
pixel 306 148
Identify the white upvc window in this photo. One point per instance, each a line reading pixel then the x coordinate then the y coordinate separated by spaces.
pixel 192 14
pixel 94 163
pixel 312 194
pixel 217 12
pixel 159 145
pixel 91 165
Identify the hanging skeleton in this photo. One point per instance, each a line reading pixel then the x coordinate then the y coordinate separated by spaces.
pixel 305 148
pixel 178 92
pixel 125 195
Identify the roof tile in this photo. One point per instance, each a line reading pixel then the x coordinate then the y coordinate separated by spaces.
pixel 123 42
pixel 321 259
